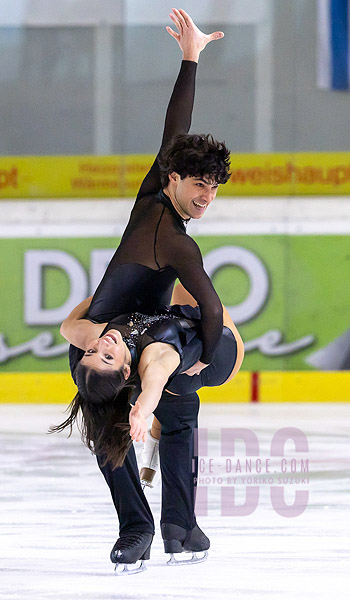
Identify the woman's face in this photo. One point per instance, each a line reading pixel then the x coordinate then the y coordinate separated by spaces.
pixel 107 353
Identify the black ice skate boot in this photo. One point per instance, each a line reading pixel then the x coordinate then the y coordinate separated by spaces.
pixel 177 539
pixel 128 549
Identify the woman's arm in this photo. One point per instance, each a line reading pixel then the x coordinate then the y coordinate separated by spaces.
pixel 79 312
pixel 158 362
pixel 77 330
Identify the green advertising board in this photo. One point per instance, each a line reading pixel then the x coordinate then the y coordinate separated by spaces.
pixel 288 295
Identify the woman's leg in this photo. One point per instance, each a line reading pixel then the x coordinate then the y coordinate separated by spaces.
pixel 181 296
pixel 149 469
pixel 155 429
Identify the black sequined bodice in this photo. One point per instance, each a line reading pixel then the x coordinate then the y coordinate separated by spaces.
pixel 138 324
pixel 174 327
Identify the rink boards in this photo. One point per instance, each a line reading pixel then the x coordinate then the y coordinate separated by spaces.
pixel 280 265
pixel 267 386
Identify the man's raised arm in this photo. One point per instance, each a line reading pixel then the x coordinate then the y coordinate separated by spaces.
pixel 179 113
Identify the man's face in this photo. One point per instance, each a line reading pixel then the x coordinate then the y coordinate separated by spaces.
pixel 192 195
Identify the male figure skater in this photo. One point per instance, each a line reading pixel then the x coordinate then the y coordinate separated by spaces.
pixel 154 250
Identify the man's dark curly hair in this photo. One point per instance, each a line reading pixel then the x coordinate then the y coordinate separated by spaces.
pixel 196 156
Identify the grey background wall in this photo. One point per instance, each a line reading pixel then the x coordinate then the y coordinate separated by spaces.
pixel 305 118
pixel 59 91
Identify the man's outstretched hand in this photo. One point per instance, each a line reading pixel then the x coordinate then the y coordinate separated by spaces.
pixel 190 39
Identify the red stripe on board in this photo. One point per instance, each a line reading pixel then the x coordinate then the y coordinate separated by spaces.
pixel 255 387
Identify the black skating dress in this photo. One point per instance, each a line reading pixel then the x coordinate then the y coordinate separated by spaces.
pixel 179 326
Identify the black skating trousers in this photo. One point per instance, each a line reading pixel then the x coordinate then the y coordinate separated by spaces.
pixel 178 416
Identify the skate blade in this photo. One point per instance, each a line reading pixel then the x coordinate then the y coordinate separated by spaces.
pixel 192 561
pixel 147 477
pixel 145 484
pixel 124 570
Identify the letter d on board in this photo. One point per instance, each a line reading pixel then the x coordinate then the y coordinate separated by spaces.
pixel 34 262
pixel 228 438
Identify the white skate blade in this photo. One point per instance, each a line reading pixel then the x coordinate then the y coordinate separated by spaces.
pixel 192 561
pixel 149 477
pixel 124 570
pixel 146 483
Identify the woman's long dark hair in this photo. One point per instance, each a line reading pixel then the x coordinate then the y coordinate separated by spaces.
pixel 103 400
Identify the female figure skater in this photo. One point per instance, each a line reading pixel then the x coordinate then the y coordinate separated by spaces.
pixel 141 353
pixel 155 350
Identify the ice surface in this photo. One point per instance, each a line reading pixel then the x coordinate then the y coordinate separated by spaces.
pixel 58 523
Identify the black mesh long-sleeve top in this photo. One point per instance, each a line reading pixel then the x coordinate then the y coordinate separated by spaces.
pixel 155 248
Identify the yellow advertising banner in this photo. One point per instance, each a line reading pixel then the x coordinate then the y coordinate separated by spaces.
pixel 274 386
pixel 72 176
pixel 302 173
pixel 305 173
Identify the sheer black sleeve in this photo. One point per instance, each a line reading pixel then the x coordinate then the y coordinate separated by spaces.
pixel 177 120
pixel 184 255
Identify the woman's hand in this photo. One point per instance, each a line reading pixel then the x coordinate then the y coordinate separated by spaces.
pixel 138 424
pixel 190 39
pixel 196 368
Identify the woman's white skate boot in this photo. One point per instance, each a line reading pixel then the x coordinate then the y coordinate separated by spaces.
pixel 150 470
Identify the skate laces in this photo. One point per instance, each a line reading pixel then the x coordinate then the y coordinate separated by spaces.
pixel 129 540
pixel 154 458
